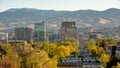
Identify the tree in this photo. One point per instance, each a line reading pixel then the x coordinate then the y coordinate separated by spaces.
pixel 105 42
pixel 62 51
pixel 118 65
pixel 72 42
pixel 114 62
pixel 54 62
pixel 73 45
pixel 90 42
pixel 93 48
pixel 37 60
pixel 105 59
pixel 11 54
pixel 5 63
pixel 23 48
pixel 49 48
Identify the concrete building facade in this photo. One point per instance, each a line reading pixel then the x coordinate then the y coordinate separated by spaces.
pixel 68 30
pixel 25 34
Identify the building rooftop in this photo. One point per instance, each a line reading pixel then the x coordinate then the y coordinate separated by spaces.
pixel 71 63
pixel 68 24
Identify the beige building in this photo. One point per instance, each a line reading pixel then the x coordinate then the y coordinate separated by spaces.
pixel 68 30
pixel 3 37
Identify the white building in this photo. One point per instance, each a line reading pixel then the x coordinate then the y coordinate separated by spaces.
pixel 3 37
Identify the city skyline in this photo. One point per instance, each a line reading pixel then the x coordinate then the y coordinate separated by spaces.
pixel 60 5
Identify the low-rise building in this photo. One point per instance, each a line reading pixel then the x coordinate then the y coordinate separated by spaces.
pixel 114 50
pixel 118 49
pixel 3 37
pixel 92 64
pixel 79 62
pixel 95 35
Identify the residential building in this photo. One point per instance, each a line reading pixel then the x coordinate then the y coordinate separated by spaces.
pixel 111 51
pixel 78 62
pixel 95 35
pixel 114 50
pixel 68 30
pixel 40 32
pixel 118 49
pixel 25 34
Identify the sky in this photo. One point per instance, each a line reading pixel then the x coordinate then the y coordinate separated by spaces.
pixel 70 5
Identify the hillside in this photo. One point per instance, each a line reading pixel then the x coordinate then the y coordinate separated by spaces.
pixel 22 17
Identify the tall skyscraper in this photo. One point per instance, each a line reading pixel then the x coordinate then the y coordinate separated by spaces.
pixel 25 34
pixel 68 30
pixel 40 32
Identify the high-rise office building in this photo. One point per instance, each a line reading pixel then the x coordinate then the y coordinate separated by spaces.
pixel 40 32
pixel 52 36
pixel 25 34
pixel 68 30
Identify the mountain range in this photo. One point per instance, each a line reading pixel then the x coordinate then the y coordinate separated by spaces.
pixel 27 17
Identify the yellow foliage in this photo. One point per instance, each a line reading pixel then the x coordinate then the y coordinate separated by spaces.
pixel 62 51
pixel 37 60
pixel 73 42
pixel 53 62
pixel 49 48
pixel 104 58
pixel 91 42
pixel 118 65
pixel 22 49
pixel 11 54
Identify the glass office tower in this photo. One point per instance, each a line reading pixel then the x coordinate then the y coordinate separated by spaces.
pixel 40 32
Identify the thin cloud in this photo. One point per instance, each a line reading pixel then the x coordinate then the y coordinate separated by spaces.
pixel 118 1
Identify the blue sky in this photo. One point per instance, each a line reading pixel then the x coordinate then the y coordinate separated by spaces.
pixel 60 4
